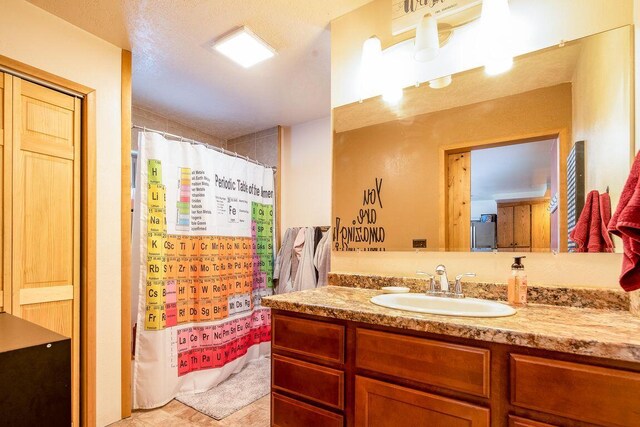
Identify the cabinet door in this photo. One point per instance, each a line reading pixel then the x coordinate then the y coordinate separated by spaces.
pixel 505 227
pixel 380 404
pixel 46 212
pixel 540 228
pixel 522 226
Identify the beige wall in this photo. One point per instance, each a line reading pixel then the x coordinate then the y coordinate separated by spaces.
pixel 151 120
pixel 565 20
pixel 405 154
pixel 30 35
pixel 537 24
pixel 603 103
pixel 306 174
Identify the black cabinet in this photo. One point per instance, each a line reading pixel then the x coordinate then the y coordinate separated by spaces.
pixel 35 375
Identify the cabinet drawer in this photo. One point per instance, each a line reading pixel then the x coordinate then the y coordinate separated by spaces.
pixel 383 404
pixel 441 364
pixel 523 422
pixel 323 341
pixel 582 392
pixel 317 383
pixel 287 412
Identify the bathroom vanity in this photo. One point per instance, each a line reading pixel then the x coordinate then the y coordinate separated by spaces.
pixel 339 360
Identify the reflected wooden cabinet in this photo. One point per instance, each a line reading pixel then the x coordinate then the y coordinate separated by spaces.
pixel 524 227
pixel 40 215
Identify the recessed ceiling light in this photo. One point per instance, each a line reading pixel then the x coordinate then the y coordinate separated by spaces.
pixel 244 47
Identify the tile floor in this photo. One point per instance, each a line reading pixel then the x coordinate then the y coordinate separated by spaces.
pixel 175 413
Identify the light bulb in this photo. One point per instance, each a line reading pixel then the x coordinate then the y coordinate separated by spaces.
pixel 496 36
pixel 371 68
pixel 427 43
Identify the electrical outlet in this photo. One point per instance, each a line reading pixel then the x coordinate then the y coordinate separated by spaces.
pixel 419 243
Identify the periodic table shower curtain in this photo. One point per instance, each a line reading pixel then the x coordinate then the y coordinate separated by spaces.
pixel 203 249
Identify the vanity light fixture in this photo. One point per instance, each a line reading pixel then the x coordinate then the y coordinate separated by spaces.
pixel 244 47
pixel 495 27
pixel 427 42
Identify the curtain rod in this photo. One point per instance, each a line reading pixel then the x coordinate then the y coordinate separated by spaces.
pixel 194 142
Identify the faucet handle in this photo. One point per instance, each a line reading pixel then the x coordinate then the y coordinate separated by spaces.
pixel 457 288
pixel 433 286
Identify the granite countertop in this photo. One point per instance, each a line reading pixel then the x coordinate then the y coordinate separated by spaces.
pixel 599 333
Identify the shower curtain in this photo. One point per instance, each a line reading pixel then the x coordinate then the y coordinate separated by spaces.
pixel 203 251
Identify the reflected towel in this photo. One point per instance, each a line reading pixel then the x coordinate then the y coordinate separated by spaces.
pixel 626 224
pixel 590 232
pixel 322 259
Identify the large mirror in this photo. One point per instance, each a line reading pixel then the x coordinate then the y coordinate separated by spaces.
pixel 488 163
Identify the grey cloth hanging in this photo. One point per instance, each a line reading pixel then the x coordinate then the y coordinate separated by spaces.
pixel 282 267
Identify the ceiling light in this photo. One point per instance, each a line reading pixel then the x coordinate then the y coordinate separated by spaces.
pixel 244 47
pixel 495 26
pixel 427 43
pixel 440 82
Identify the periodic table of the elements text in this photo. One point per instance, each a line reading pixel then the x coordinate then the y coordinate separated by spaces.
pixel 204 279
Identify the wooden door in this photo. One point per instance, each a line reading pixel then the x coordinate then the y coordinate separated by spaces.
pixel 505 228
pixel 459 202
pixel 6 108
pixel 540 227
pixel 522 227
pixel 46 213
pixel 385 405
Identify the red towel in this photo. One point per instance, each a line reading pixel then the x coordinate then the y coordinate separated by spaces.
pixel 605 215
pixel 626 224
pixel 590 232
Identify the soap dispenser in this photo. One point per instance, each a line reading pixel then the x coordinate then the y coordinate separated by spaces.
pixel 517 284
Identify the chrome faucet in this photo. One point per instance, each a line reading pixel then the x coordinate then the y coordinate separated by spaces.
pixel 440 287
pixel 441 271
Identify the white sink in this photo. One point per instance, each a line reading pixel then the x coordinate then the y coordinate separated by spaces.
pixel 465 307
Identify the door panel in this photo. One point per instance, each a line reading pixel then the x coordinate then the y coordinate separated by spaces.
pixel 522 226
pixel 540 228
pixel 505 227
pixel 46 213
pixel 47 186
pixel 459 202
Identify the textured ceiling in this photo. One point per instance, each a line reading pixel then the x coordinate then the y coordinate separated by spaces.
pixel 176 74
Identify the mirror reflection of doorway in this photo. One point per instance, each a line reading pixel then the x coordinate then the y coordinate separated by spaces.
pixel 499 198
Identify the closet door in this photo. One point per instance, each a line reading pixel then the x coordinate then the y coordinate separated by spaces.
pixel 5 172
pixel 46 212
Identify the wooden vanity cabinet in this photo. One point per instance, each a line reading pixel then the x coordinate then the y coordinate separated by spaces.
pixel 332 373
